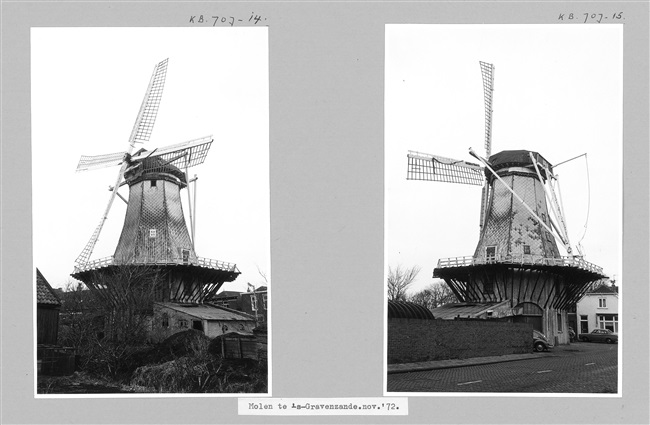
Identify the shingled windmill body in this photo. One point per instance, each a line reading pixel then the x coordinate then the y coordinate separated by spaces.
pixel 155 242
pixel 517 272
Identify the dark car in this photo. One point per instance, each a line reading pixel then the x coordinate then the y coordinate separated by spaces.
pixel 600 335
pixel 540 342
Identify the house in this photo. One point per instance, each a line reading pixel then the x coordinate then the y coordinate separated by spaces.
pixel 598 309
pixel 51 358
pixel 230 299
pixel 255 303
pixel 170 318
pixel 48 306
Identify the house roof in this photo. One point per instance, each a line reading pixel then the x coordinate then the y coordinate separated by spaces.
pixel 226 294
pixel 44 292
pixel 259 290
pixel 464 310
pixel 604 289
pixel 208 311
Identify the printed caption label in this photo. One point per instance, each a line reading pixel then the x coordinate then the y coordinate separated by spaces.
pixel 323 406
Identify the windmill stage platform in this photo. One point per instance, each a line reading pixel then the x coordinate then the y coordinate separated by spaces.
pixel 187 282
pixel 550 282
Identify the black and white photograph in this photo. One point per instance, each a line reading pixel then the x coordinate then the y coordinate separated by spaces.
pixel 150 155
pixel 503 209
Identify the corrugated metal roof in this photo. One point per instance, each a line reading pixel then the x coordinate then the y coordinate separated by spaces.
pixel 463 310
pixel 44 292
pixel 407 310
pixel 208 312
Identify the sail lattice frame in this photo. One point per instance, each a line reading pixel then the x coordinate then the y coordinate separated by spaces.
pixel 487 72
pixel 428 167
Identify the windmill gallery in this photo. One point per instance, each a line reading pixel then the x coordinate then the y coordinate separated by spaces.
pixel 516 273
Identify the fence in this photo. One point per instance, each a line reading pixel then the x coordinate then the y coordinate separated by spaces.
pixel 200 261
pixel 524 259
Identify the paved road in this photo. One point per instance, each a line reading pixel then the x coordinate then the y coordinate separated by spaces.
pixel 576 368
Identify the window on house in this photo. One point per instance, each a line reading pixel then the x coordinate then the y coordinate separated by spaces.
pixel 264 301
pixel 608 321
pixel 153 183
pixel 490 253
pixel 527 249
pixel 182 323
pixel 152 233
pixel 253 302
pixel 165 320
pixel 559 322
pixel 602 302
pixel 186 255
pixel 584 324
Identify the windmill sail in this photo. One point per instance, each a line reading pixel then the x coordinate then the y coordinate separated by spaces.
pixel 427 167
pixel 143 124
pixel 149 109
pixel 487 71
pixel 88 162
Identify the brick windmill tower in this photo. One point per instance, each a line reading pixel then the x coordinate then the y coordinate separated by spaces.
pixel 517 271
pixel 156 246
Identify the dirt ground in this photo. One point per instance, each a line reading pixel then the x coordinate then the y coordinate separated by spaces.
pixel 79 383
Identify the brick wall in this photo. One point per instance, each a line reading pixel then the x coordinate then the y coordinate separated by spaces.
pixel 414 340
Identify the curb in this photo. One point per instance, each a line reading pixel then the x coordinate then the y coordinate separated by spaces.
pixel 453 363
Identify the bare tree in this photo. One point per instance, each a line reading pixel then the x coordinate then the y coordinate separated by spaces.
pixel 123 297
pixel 398 281
pixel 263 274
pixel 434 295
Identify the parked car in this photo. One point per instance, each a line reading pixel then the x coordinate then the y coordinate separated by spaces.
pixel 600 335
pixel 540 342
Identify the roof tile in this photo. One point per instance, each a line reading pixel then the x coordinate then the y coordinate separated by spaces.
pixel 44 292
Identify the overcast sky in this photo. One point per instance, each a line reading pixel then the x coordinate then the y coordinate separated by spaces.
pixel 558 91
pixel 87 87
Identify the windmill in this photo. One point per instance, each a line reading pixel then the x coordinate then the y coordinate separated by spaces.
pixel 516 265
pixel 155 236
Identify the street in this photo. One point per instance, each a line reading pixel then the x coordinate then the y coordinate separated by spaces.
pixel 576 368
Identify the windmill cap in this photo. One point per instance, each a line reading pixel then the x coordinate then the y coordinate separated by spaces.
pixel 518 158
pixel 154 167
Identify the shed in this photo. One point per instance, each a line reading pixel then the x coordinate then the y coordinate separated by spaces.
pixel 48 306
pixel 212 320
